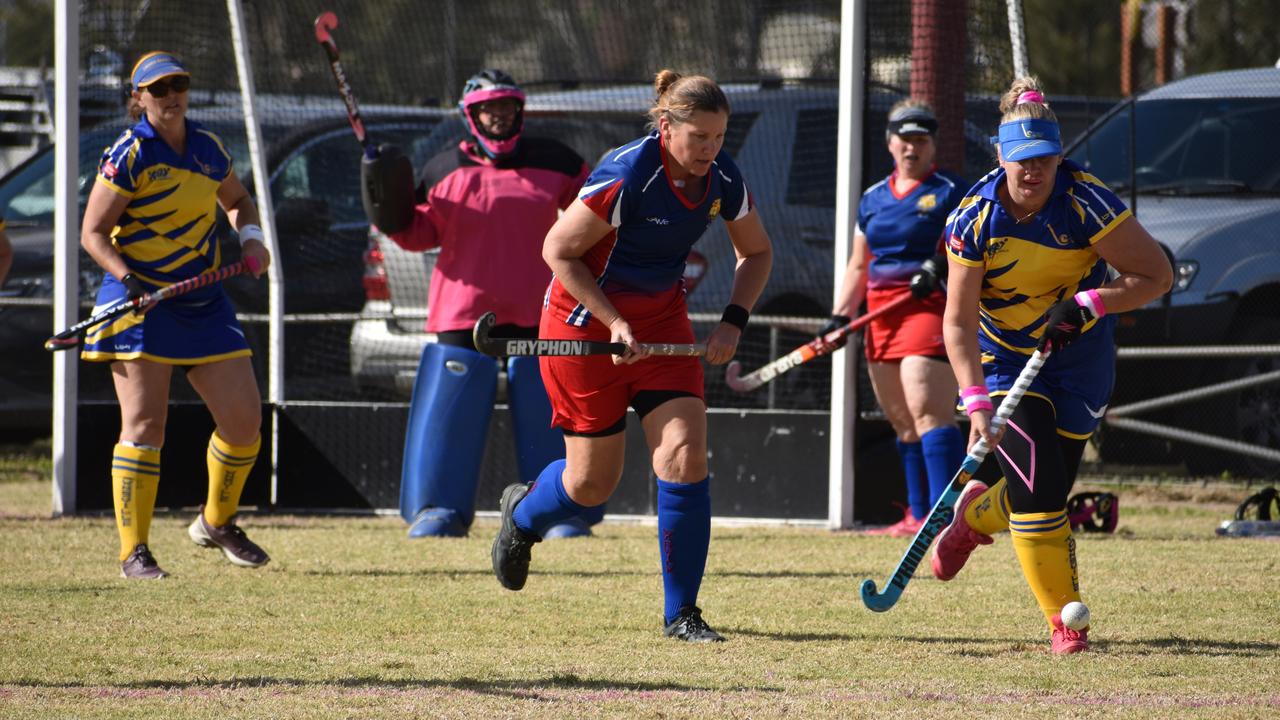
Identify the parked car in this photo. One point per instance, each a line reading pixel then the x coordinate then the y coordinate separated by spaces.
pixel 1205 181
pixel 322 237
pixel 782 136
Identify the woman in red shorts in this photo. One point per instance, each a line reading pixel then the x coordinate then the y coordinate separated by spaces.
pixel 900 223
pixel 618 255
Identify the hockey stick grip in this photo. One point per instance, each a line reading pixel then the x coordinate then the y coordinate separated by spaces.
pixel 939 515
pixel 72 336
pixel 539 347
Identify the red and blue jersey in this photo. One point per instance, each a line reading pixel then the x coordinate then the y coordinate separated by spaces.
pixel 654 225
pixel 904 230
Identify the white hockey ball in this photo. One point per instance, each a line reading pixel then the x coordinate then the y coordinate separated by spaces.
pixel 1075 615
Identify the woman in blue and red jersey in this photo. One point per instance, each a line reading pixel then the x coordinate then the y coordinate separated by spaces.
pixel 900 223
pixel 150 221
pixel 618 255
pixel 1042 255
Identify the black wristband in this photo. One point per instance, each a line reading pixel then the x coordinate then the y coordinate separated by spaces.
pixel 736 315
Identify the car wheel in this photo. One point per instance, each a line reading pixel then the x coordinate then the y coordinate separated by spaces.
pixel 1250 415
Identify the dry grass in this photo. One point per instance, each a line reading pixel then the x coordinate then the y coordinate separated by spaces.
pixel 353 620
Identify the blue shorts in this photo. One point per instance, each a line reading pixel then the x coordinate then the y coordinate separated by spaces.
pixel 192 329
pixel 1077 381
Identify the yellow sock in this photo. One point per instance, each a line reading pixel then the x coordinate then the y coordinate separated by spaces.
pixel 989 514
pixel 1047 552
pixel 135 477
pixel 229 467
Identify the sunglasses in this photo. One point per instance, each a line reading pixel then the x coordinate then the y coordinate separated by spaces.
pixel 160 88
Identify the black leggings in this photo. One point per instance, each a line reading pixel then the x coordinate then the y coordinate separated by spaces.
pixel 1056 459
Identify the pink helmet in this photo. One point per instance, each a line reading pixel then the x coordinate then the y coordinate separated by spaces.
pixel 492 85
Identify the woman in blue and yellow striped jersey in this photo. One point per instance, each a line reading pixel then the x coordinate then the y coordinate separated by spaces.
pixel 1029 249
pixel 151 221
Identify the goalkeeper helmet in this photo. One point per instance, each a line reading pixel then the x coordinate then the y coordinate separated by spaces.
pixel 484 86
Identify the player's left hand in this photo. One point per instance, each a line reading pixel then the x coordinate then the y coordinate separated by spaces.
pixel 1064 324
pixel 255 249
pixel 722 344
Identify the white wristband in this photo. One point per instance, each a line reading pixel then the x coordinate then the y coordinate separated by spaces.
pixel 251 232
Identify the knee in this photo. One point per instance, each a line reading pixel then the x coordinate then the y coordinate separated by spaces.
pixel 590 487
pixel 243 424
pixel 680 462
pixel 144 431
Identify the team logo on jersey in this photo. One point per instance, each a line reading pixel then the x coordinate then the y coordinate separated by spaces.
pixel 927 203
pixel 995 246
pixel 715 210
pixel 159 173
pixel 1062 239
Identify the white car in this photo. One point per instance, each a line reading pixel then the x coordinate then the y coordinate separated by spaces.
pixel 783 137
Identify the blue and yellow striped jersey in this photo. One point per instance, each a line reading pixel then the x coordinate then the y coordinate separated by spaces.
pixel 167 231
pixel 1030 266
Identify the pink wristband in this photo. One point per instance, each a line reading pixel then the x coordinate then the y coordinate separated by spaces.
pixel 975 398
pixel 1090 299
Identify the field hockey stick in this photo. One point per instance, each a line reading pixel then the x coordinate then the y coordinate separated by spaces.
pixel 327 21
pixel 74 335
pixel 816 347
pixel 535 347
pixel 941 514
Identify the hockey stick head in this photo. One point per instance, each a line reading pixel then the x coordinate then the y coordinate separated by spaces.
pixel 480 334
pixel 326 21
pixel 59 343
pixel 876 601
pixel 733 377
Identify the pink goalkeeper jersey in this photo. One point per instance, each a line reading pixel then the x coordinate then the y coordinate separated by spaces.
pixel 489 221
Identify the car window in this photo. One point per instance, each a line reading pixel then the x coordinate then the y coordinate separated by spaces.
pixel 326 168
pixel 812 179
pixel 1188 146
pixel 27 195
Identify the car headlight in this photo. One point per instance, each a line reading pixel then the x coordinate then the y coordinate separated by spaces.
pixel 1183 273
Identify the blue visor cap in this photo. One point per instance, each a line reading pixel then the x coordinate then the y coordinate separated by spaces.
pixel 1026 139
pixel 155 66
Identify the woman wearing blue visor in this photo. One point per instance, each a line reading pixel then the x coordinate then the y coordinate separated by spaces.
pixel 1029 249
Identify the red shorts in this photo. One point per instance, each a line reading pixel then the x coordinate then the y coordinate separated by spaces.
pixel 913 329
pixel 589 393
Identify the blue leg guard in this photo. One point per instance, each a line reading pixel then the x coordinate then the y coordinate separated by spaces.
pixel 444 443
pixel 537 443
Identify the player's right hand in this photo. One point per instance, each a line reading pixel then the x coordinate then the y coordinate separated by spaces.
pixel 980 426
pixel 835 323
pixel 620 331
pixel 133 286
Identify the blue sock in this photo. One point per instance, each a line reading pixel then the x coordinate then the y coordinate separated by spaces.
pixel 943 453
pixel 547 502
pixel 917 479
pixel 593 515
pixel 684 534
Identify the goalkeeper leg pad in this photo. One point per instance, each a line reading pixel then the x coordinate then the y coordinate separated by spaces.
pixel 444 442
pixel 537 443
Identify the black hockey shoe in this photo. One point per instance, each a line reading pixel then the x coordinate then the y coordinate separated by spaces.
pixel 690 627
pixel 511 548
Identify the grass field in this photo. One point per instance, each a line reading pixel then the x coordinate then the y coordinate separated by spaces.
pixel 352 620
